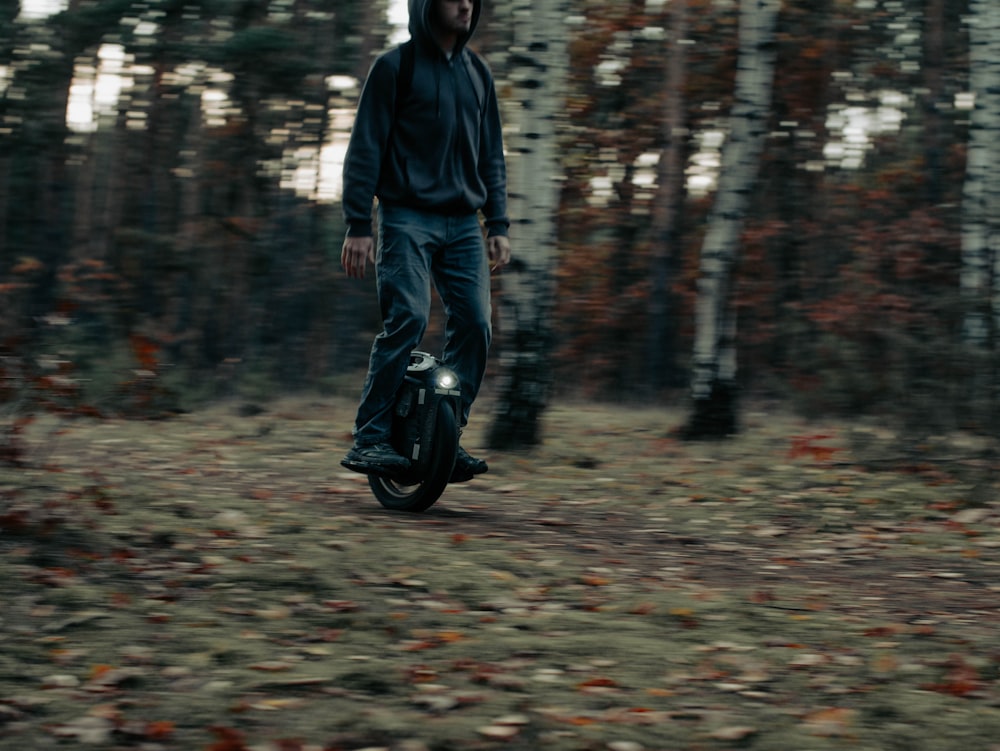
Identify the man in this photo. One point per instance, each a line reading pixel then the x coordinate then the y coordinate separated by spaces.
pixel 427 143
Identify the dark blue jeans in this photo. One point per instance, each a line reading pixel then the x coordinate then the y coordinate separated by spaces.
pixel 417 249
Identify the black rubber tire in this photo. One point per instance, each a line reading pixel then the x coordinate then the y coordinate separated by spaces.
pixel 397 496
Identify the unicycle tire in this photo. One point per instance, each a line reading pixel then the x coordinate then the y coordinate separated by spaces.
pixel 404 494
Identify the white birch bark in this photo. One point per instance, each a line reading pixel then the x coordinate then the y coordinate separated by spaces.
pixel 538 63
pixel 980 278
pixel 715 345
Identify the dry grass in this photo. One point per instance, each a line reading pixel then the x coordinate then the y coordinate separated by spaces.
pixel 218 582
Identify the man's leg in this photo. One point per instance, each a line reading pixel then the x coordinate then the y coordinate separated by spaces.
pixel 462 277
pixel 406 244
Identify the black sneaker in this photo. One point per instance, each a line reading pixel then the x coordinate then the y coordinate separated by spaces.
pixel 467 467
pixel 377 458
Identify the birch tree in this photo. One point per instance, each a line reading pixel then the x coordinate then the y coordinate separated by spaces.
pixel 714 362
pixel 980 279
pixel 537 66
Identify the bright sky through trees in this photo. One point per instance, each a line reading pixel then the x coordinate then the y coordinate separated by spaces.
pixel 41 8
pixel 96 91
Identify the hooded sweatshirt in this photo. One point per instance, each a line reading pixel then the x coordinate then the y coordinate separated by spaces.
pixel 442 151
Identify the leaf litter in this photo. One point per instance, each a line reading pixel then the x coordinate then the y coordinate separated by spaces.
pixel 218 582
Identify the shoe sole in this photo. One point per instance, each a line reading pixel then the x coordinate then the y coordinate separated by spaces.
pixel 457 476
pixel 366 468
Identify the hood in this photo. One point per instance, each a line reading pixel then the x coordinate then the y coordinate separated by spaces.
pixel 420 24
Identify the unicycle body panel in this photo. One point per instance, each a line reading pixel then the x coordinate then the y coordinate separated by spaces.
pixel 425 430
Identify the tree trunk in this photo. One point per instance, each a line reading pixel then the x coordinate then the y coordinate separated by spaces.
pixel 538 66
pixel 714 366
pixel 934 96
pixel 981 200
pixel 980 277
pixel 661 361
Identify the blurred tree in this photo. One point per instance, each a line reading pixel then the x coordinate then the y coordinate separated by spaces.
pixel 933 98
pixel 182 216
pixel 536 66
pixel 981 202
pixel 616 151
pixel 8 29
pixel 786 251
pixel 980 278
pixel 191 215
pixel 662 369
pixel 35 145
pixel 714 363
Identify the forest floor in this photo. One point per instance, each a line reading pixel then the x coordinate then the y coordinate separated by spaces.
pixel 217 582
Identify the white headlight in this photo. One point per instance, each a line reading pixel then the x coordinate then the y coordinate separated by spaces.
pixel 445 379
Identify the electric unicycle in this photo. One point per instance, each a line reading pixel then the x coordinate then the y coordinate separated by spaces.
pixel 425 431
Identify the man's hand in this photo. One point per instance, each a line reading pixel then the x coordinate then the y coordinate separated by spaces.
pixel 498 251
pixel 356 253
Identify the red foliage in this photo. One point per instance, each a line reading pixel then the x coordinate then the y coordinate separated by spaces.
pixel 960 679
pixel 229 739
pixel 146 352
pixel 812 446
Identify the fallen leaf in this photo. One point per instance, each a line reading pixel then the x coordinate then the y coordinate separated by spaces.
pixel 229 739
pixel 512 719
pixel 435 702
pixel 836 721
pixel 94 731
pixel 159 729
pixel 733 733
pixel 625 746
pixel 278 703
pixel 60 680
pixel 498 732
pixel 271 666
pixel 597 683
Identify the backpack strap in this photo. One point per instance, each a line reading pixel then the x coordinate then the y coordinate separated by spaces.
pixel 477 74
pixel 404 81
pixel 407 57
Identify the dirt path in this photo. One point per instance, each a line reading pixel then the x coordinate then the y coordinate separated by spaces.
pixel 218 582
